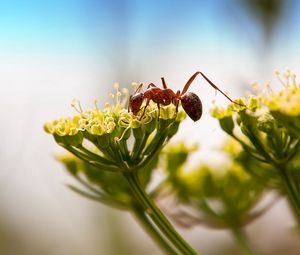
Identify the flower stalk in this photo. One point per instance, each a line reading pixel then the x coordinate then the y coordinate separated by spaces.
pixel 242 241
pixel 292 192
pixel 157 216
pixel 153 231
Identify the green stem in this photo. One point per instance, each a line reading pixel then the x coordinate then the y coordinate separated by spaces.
pixel 153 232
pixel 157 216
pixel 152 154
pixel 88 159
pixel 124 149
pixel 139 147
pixel 242 241
pixel 292 193
pixel 95 156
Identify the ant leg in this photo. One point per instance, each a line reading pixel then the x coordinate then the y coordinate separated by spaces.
pixel 138 89
pixel 129 104
pixel 151 85
pixel 189 82
pixel 177 96
pixel 147 103
pixel 158 107
pixel 164 83
pixel 215 87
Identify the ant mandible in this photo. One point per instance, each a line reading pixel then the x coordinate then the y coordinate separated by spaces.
pixel 191 103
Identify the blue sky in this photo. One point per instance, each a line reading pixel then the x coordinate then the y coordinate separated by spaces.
pixel 42 25
pixel 129 31
pixel 86 26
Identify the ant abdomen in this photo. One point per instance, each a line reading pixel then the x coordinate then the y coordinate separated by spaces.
pixel 192 105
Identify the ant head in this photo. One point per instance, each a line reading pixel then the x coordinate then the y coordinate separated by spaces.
pixel 135 102
pixel 192 105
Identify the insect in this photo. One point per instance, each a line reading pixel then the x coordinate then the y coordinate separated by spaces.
pixel 190 102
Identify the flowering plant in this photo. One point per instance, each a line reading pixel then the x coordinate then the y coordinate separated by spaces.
pixel 268 130
pixel 112 153
pixel 114 172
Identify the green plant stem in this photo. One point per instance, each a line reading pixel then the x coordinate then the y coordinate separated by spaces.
pixel 292 193
pixel 140 146
pixel 157 216
pixel 242 241
pixel 153 231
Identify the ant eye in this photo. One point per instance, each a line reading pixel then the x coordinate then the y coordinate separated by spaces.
pixel 192 105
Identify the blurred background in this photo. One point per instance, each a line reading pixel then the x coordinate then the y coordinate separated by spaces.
pixel 53 51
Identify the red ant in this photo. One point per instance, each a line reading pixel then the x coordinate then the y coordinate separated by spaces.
pixel 191 103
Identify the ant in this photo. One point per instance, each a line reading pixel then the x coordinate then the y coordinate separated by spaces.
pixel 191 103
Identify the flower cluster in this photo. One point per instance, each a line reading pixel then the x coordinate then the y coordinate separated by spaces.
pixel 286 101
pixel 268 128
pixel 270 121
pixel 100 137
pixel 98 122
pixel 224 197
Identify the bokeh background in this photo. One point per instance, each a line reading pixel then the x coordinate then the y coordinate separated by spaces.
pixel 53 51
